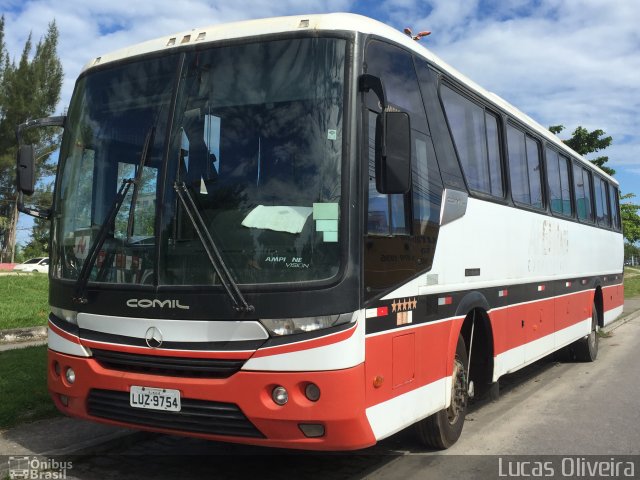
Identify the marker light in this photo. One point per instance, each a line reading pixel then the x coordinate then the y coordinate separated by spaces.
pixel 70 375
pixel 280 395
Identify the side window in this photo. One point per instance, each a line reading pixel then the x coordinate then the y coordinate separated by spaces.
pixel 565 184
pixel 402 230
pixel 558 178
pixel 582 187
pixel 615 206
pixel 524 166
pixel 395 67
pixel 475 134
pixel 390 214
pixel 386 214
pixel 602 203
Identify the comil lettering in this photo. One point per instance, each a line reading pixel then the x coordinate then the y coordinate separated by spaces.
pixel 147 303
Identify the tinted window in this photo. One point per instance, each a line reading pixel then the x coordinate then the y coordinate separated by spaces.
pixel 518 166
pixel 534 171
pixel 395 68
pixel 558 178
pixel 615 206
pixel 493 152
pixel 475 134
pixel 582 186
pixel 601 201
pixel 402 229
pixel 524 167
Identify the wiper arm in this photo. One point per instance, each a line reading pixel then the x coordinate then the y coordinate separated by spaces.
pixel 229 284
pixel 92 254
pixel 136 183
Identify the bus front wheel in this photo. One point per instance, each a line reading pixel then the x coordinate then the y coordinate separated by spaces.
pixel 586 349
pixel 443 428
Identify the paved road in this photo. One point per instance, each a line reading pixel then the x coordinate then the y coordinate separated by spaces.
pixel 551 407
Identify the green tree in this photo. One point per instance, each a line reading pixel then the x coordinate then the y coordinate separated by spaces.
pixel 631 251
pixel 38 245
pixel 29 89
pixel 585 142
pixel 630 219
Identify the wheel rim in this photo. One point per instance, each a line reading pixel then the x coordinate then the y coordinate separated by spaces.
pixel 458 392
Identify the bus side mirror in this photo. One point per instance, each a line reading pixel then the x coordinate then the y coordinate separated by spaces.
pixel 26 172
pixel 393 153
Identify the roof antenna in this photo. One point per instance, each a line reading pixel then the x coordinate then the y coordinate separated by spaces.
pixel 417 37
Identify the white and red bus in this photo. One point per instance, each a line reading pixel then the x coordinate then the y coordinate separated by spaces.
pixel 310 232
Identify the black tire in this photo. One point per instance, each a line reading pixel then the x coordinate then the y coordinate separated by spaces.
pixel 586 349
pixel 443 428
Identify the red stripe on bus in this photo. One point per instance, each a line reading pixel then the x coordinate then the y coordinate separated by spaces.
pixel 63 334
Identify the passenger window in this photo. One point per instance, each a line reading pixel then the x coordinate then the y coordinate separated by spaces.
pixel 558 177
pixel 475 134
pixel 582 187
pixel 615 206
pixel 524 167
pixel 602 205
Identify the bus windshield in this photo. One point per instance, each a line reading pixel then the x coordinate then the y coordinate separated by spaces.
pixel 252 131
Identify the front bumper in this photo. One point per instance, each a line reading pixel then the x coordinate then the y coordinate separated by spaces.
pixel 340 408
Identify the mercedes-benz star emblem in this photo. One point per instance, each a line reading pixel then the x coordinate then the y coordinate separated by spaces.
pixel 153 337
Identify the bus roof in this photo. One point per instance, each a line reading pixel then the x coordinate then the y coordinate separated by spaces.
pixel 327 22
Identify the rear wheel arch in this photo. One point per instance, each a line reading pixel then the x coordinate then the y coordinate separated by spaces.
pixel 477 333
pixel 598 302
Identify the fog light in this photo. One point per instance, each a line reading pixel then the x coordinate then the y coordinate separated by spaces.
pixel 64 400
pixel 70 375
pixel 280 395
pixel 312 430
pixel 312 391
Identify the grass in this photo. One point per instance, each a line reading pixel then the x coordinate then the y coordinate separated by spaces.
pixel 23 387
pixel 631 283
pixel 24 300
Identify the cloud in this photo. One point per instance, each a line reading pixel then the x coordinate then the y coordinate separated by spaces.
pixel 89 28
pixel 571 63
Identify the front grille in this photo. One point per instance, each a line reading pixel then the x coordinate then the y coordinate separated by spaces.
pixel 197 416
pixel 169 366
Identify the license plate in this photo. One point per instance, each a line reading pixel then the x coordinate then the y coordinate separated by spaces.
pixel 154 398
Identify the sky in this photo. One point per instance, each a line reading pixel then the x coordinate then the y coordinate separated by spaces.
pixel 569 62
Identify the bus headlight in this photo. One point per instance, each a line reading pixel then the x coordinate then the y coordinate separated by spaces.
pixel 288 326
pixel 66 315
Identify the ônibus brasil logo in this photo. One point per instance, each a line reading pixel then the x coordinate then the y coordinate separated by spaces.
pixel 148 303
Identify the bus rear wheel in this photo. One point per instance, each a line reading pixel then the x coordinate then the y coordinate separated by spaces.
pixel 586 349
pixel 443 428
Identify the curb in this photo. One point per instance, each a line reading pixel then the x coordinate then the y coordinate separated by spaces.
pixel 17 335
pixel 618 322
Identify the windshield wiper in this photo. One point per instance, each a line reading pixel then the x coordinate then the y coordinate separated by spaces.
pixel 92 254
pixel 83 278
pixel 229 284
pixel 136 183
